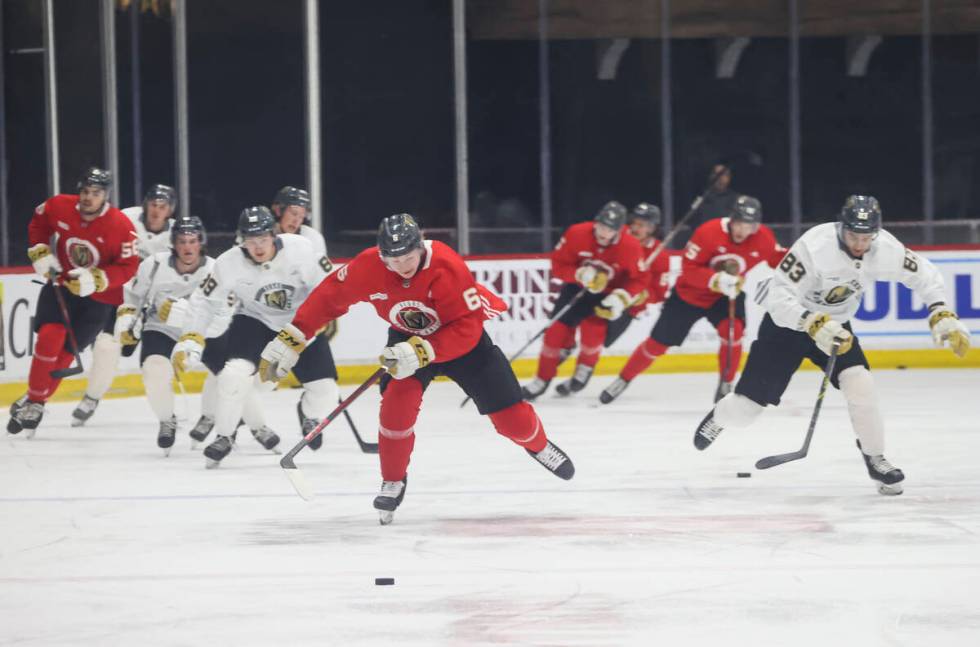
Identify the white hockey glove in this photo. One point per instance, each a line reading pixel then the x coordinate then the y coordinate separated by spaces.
pixel 281 354
pixel 825 331
pixel 173 312
pixel 592 279
pixel 84 281
pixel 187 351
pixel 946 326
pixel 404 358
pixel 728 284
pixel 614 305
pixel 129 325
pixel 44 262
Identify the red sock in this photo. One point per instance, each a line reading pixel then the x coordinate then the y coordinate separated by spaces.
pixel 592 333
pixel 641 358
pixel 49 355
pixel 400 405
pixel 727 372
pixel 521 424
pixel 557 336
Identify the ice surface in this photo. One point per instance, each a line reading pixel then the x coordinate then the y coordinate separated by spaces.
pixel 103 541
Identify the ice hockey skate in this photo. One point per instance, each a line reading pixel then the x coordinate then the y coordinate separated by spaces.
pixel 534 388
pixel 166 435
pixel 388 500
pixel 217 450
pixel 83 411
pixel 201 430
pixel 707 432
pixel 25 415
pixel 307 425
pixel 724 388
pixel 557 461
pixel 577 382
pixel 888 477
pixel 267 438
pixel 613 391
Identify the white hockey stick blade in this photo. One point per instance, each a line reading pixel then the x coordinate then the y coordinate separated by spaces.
pixel 300 483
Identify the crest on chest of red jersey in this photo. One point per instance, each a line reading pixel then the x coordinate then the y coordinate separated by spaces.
pixel 81 252
pixel 414 317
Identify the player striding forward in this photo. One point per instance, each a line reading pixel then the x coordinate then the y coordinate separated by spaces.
pixel 270 276
pixel 715 261
pixel 436 311
pixel 94 255
pixel 152 223
pixel 810 301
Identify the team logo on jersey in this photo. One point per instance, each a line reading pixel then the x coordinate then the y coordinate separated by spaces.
pixel 276 295
pixel 838 294
pixel 81 252
pixel 342 274
pixel 723 259
pixel 602 266
pixel 414 317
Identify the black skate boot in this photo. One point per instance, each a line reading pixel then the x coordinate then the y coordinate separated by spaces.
pixel 201 430
pixel 388 500
pixel 613 391
pixel 888 477
pixel 724 388
pixel 578 381
pixel 25 414
pixel 217 450
pixel 534 388
pixel 266 437
pixel 307 425
pixel 83 411
pixel 553 458
pixel 166 435
pixel 707 431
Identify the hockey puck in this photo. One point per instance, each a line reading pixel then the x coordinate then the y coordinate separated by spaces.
pixel 384 581
pixel 744 475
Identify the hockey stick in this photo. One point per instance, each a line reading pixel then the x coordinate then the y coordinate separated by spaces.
pixel 143 311
pixel 300 484
pixel 366 447
pixel 731 335
pixel 779 459
pixel 63 307
pixel 558 315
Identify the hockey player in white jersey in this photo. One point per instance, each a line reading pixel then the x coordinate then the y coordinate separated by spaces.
pixel 270 275
pixel 809 302
pixel 152 221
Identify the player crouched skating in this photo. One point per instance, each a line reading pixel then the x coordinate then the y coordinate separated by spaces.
pixel 436 311
pixel 810 300
pixel 270 276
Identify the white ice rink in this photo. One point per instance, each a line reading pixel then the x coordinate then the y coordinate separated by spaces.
pixel 105 542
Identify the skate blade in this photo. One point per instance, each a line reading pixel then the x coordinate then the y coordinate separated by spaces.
pixel 29 433
pixel 195 444
pixel 76 422
pixel 166 451
pixel 890 490
pixel 385 517
pixel 211 464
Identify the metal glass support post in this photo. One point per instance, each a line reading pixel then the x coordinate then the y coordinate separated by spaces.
pixel 666 119
pixel 110 112
pixel 134 60
pixel 180 105
pixel 51 101
pixel 795 159
pixel 314 152
pixel 544 121
pixel 928 179
pixel 4 211
pixel 462 154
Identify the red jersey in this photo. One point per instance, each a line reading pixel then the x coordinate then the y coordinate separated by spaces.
pixel 620 260
pixel 655 276
pixel 711 244
pixel 108 242
pixel 442 303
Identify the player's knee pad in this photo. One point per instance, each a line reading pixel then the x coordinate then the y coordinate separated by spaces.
pixel 736 410
pixel 557 336
pixel 400 405
pixel 319 397
pixel 520 423
pixel 857 385
pixel 158 374
pixel 722 329
pixel 235 378
pixel 593 333
pixel 652 348
pixel 105 358
pixel 49 342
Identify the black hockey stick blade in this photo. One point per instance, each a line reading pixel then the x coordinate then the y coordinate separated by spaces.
pixel 779 459
pixel 62 373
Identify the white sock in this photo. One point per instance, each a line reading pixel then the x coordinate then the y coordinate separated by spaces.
pixel 858 388
pixel 736 410
pixel 209 395
pixel 319 398
pixel 157 380
pixel 252 413
pixel 105 358
pixel 234 385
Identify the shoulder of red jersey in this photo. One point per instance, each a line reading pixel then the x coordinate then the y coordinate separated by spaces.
pixel 442 255
pixel 117 217
pixel 57 203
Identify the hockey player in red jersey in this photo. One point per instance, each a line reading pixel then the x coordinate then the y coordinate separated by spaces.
pixel 95 253
pixel 599 263
pixel 716 259
pixel 436 311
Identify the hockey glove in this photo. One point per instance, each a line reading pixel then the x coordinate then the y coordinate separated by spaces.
pixel 727 284
pixel 173 312
pixel 129 326
pixel 330 330
pixel 825 331
pixel 43 261
pixel 592 279
pixel 404 358
pixel 613 306
pixel 946 326
pixel 84 281
pixel 187 351
pixel 281 354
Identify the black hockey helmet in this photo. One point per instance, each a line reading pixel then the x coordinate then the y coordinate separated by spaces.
pixel 188 225
pixel 290 195
pixel 97 177
pixel 255 221
pixel 861 214
pixel 746 209
pixel 398 235
pixel 647 212
pixel 161 192
pixel 612 215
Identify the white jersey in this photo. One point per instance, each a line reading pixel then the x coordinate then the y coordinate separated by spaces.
pixel 817 275
pixel 158 280
pixel 149 243
pixel 270 292
pixel 319 246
